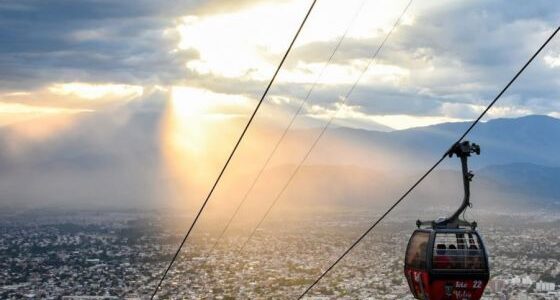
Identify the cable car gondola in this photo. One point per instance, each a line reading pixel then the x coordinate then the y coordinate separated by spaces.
pixel 446 258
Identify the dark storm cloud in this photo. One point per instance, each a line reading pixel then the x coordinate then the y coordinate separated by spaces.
pixel 119 41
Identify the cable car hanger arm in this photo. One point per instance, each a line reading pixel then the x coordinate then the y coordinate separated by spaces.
pixel 462 150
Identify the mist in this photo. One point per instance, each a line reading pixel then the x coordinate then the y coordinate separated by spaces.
pixel 134 156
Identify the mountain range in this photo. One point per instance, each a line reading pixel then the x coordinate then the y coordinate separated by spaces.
pixel 113 157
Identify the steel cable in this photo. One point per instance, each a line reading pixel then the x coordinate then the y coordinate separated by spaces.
pixel 355 243
pixel 326 126
pixel 234 149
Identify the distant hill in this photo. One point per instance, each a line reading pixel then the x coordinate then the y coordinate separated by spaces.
pixel 326 188
pixel 524 178
pixel 532 139
pixel 113 157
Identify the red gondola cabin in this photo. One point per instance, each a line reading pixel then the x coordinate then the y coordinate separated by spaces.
pixel 446 259
pixel 446 264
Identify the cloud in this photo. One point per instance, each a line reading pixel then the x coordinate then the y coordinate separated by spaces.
pixel 72 97
pixel 90 41
pixel 15 113
pixel 446 61
pixel 443 61
pixel 92 92
pixel 460 55
pixel 553 61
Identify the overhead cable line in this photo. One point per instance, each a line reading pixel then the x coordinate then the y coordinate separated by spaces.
pixel 234 148
pixel 474 123
pixel 326 126
pixel 286 130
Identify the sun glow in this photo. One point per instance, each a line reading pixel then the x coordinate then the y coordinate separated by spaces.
pixel 196 132
pixel 96 91
pixel 189 102
pixel 227 48
pixel 185 115
pixel 36 122
pixel 192 112
pixel 246 43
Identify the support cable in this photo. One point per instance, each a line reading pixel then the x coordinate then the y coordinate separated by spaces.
pixel 475 122
pixel 286 130
pixel 325 127
pixel 234 149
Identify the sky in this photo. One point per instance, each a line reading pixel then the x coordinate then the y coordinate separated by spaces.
pixel 445 61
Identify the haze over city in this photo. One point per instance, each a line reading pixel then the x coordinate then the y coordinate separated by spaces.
pixel 116 118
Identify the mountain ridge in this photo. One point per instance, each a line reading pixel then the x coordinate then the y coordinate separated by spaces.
pixel 115 155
